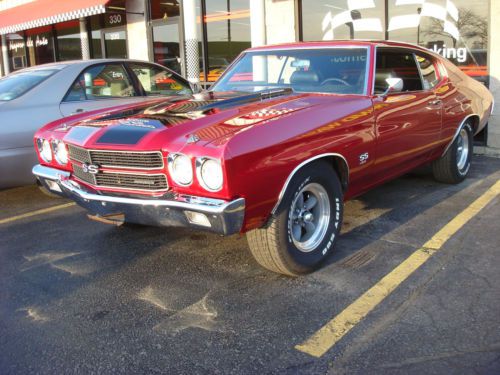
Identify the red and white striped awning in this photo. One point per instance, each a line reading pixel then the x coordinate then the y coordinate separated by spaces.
pixel 46 12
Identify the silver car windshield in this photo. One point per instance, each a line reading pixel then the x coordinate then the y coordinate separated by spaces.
pixel 15 85
pixel 325 70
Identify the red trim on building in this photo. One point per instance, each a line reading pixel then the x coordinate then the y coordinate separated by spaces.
pixel 45 12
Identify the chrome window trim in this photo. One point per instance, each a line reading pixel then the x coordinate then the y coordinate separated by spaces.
pixel 298 167
pixel 408 50
pixel 420 74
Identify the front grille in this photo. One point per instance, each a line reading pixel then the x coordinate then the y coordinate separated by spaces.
pixel 117 159
pixel 146 182
pixel 84 176
pixel 133 181
pixel 79 154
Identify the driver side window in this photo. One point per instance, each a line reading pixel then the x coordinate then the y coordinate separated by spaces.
pixel 101 82
pixel 396 64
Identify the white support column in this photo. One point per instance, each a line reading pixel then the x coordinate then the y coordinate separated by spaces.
pixel 191 49
pixel 5 56
pixel 494 72
pixel 84 39
pixel 137 32
pixel 258 37
pixel 258 22
pixel 281 21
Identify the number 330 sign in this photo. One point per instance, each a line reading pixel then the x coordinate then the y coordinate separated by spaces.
pixel 114 19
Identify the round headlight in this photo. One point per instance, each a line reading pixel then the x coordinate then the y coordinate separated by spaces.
pixel 60 152
pixel 181 169
pixel 44 149
pixel 210 174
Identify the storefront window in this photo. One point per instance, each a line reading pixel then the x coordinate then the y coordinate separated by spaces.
pixel 456 29
pixel 40 43
pixel 68 41
pixel 228 33
pixel 95 43
pixel 17 51
pixel 166 38
pixel 115 43
pixel 342 19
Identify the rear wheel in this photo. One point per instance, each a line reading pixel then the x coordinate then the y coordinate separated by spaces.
pixel 454 166
pixel 301 235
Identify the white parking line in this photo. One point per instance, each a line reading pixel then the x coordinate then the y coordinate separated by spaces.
pixel 34 213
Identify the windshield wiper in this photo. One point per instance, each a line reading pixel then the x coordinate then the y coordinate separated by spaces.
pixel 271 93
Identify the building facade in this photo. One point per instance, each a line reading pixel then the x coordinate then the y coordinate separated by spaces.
pixel 199 38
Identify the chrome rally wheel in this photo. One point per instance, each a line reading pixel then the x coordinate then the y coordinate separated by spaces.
pixel 303 231
pixel 309 217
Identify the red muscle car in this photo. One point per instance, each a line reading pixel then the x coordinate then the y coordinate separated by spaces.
pixel 283 138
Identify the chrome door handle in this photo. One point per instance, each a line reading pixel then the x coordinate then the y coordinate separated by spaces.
pixel 434 102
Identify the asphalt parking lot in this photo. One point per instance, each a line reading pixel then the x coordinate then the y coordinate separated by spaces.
pixel 77 296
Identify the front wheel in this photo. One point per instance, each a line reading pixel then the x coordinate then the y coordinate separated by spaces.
pixel 454 166
pixel 301 235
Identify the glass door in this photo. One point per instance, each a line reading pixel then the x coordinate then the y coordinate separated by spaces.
pixel 166 44
pixel 115 43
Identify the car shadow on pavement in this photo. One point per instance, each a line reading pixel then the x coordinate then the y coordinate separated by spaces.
pixel 379 213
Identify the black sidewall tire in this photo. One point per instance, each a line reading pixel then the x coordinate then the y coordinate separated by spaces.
pixel 323 174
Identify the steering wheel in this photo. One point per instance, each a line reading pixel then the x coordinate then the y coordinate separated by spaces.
pixel 335 80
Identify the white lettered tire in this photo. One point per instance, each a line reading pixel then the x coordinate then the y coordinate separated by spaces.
pixel 303 231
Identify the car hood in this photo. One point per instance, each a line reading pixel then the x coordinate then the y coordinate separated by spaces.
pixel 206 118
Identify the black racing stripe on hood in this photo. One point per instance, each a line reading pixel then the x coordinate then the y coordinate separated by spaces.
pixel 246 99
pixel 123 135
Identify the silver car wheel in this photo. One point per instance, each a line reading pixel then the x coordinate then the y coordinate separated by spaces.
pixel 310 217
pixel 462 149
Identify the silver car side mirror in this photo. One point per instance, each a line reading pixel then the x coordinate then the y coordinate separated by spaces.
pixel 394 85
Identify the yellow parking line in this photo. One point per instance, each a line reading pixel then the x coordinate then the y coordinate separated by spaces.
pixel 327 336
pixel 34 213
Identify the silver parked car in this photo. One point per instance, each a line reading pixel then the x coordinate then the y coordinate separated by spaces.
pixel 35 96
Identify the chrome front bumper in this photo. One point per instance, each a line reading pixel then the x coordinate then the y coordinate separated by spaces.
pixel 222 217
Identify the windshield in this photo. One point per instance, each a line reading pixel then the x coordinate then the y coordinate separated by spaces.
pixel 328 70
pixel 15 85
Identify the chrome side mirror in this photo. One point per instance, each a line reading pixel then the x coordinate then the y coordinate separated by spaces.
pixel 394 85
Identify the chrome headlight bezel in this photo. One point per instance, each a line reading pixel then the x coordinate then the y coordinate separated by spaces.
pixel 172 161
pixel 44 149
pixel 60 151
pixel 201 164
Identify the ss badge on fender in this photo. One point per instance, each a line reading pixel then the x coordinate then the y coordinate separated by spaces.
pixel 363 158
